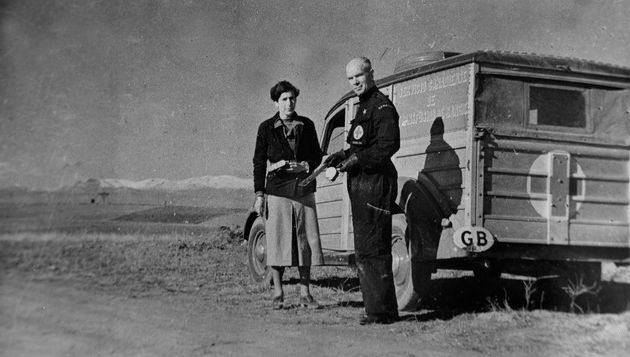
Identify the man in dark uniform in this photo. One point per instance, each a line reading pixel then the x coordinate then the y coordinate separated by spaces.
pixel 373 137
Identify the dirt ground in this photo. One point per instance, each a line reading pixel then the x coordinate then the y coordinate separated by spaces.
pixel 147 291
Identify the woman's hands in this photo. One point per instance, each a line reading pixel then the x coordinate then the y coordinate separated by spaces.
pixel 259 205
pixel 297 167
pixel 292 167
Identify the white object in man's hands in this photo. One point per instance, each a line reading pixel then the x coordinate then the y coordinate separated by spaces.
pixel 331 174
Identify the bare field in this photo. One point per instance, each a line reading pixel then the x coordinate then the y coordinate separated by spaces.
pixel 172 281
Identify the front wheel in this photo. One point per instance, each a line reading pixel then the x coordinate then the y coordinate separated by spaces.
pixel 411 279
pixel 257 252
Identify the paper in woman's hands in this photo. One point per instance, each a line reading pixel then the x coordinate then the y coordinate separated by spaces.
pixel 276 165
pixel 294 167
pixel 289 166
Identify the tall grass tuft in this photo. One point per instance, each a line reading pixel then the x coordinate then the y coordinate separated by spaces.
pixel 576 288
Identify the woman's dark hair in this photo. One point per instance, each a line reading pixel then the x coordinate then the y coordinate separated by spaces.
pixel 282 87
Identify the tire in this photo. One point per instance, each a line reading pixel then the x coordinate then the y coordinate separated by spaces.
pixel 257 253
pixel 411 280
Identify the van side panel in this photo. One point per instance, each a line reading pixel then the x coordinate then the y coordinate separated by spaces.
pixel 555 165
pixel 520 199
pixel 436 113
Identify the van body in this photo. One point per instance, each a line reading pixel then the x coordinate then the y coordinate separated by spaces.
pixel 508 162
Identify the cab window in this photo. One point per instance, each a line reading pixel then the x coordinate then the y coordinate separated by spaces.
pixel 335 133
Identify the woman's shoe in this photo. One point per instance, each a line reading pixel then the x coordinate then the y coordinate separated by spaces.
pixel 278 302
pixel 308 302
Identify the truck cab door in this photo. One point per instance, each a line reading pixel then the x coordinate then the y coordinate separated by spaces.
pixel 333 205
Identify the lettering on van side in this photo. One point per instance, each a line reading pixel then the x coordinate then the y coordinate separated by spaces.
pixel 425 116
pixel 434 82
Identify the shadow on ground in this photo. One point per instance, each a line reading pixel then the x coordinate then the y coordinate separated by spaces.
pixel 449 297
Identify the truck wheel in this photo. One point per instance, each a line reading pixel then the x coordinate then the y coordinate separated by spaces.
pixel 411 280
pixel 257 253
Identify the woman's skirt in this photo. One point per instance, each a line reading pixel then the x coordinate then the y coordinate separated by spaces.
pixel 292 232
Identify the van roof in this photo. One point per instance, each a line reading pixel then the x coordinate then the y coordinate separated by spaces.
pixel 514 63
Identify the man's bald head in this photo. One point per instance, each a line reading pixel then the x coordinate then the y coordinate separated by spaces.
pixel 360 62
pixel 360 74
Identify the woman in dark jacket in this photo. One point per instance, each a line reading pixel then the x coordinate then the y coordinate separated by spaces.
pixel 287 150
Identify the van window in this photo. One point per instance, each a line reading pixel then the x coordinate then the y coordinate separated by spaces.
pixel 337 138
pixel 557 107
pixel 546 105
pixel 500 101
pixel 334 135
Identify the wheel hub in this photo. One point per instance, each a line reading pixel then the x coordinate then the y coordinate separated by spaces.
pixel 400 260
pixel 260 252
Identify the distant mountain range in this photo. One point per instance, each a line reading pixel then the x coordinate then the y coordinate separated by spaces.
pixel 195 183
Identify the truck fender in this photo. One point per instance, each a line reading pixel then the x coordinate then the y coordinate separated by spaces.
pixel 424 192
pixel 249 221
pixel 424 207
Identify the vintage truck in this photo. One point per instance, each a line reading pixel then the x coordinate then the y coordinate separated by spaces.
pixel 509 163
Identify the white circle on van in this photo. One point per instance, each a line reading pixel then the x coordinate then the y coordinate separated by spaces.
pixel 358 132
pixel 538 200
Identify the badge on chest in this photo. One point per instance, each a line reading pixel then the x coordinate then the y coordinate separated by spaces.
pixel 357 134
pixel 360 128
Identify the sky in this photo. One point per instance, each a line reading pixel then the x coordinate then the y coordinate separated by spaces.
pixel 138 89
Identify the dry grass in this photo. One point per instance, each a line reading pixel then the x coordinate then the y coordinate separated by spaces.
pixel 210 267
pixel 206 264
pixel 131 263
pixel 144 251
pixel 578 287
pixel 211 271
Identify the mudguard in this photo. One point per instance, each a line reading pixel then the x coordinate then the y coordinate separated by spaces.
pixel 425 207
pixel 432 205
pixel 249 221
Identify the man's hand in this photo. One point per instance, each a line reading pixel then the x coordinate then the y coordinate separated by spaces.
pixel 259 205
pixel 348 164
pixel 335 158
